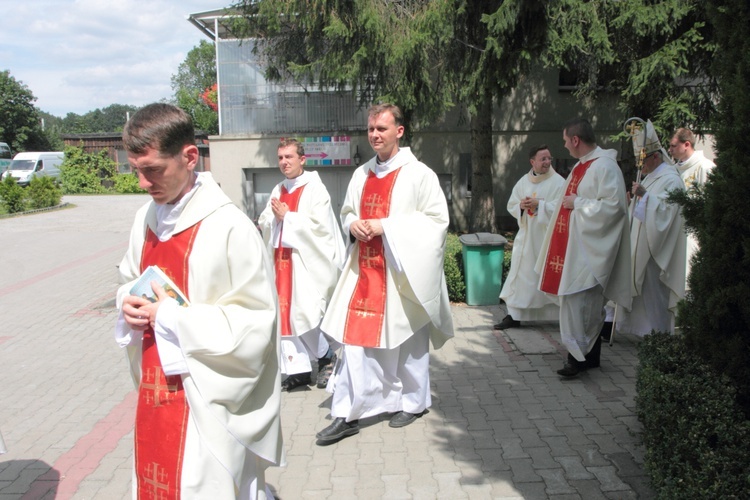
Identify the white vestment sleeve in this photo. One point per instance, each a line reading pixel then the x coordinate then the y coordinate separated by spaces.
pixel 640 208
pixel 167 339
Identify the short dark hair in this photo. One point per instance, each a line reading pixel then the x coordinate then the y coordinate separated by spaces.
pixel 533 151
pixel 685 135
pixel 376 109
pixel 160 126
pixel 581 128
pixel 292 142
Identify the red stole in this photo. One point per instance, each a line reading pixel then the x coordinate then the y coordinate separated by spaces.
pixel 162 411
pixel 366 312
pixel 558 245
pixel 282 258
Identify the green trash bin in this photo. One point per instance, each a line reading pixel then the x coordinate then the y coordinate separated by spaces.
pixel 483 255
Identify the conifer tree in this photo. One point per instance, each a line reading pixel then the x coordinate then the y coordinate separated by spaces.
pixel 715 317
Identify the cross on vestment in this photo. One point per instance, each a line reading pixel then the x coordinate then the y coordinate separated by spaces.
pixel 557 264
pixel 373 204
pixel 283 261
pixel 283 304
pixel 150 383
pixel 561 225
pixel 363 309
pixel 369 256
pixel 157 479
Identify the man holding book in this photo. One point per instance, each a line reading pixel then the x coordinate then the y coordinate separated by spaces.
pixel 207 420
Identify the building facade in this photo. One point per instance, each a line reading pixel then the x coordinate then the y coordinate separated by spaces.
pixel 255 114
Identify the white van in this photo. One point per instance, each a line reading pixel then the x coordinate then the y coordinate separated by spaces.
pixel 26 166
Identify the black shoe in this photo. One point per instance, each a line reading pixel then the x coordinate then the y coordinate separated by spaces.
pixel 296 380
pixel 606 332
pixel 592 358
pixel 507 322
pixel 572 367
pixel 403 418
pixel 339 429
pixel 325 369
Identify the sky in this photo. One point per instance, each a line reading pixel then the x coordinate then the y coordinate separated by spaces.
pixel 79 55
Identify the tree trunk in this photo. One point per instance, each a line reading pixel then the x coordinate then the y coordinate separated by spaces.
pixel 482 218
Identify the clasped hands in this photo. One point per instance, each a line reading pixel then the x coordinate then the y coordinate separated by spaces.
pixel 529 203
pixel 279 209
pixel 366 229
pixel 140 313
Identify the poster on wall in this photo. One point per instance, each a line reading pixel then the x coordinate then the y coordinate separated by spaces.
pixel 327 150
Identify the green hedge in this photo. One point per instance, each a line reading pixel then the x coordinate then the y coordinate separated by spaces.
pixel 42 192
pixel 695 433
pixel 453 265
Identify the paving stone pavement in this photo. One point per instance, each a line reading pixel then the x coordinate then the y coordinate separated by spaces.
pixel 503 425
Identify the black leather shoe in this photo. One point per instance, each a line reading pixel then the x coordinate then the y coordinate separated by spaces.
pixel 296 380
pixel 339 429
pixel 507 322
pixel 606 332
pixel 403 418
pixel 572 367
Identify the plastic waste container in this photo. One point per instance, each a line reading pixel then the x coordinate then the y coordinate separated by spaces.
pixel 483 255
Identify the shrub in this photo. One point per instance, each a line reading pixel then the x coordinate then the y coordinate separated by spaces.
pixel 127 184
pixel 12 195
pixel 83 172
pixel 694 431
pixel 43 192
pixel 454 269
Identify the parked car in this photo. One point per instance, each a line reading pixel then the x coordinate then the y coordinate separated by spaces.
pixel 26 166
pixel 4 164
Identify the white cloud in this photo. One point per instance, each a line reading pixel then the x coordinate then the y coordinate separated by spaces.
pixel 79 55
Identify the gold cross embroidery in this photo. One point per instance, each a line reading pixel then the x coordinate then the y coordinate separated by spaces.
pixel 561 226
pixel 574 185
pixel 158 480
pixel 283 304
pixel 363 309
pixel 369 257
pixel 556 264
pixel 150 383
pixel 283 262
pixel 373 203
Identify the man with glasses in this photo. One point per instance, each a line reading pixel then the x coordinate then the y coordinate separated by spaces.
pixel 657 242
pixel 531 203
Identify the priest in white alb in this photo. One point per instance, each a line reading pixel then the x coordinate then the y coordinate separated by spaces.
pixel 531 203
pixel 303 235
pixel 391 300
pixel 657 241
pixel 694 169
pixel 585 257
pixel 207 418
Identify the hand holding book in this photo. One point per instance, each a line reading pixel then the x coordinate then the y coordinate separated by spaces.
pixel 140 307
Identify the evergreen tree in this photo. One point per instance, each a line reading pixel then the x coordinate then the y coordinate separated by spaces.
pixel 422 55
pixel 715 316
pixel 655 55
